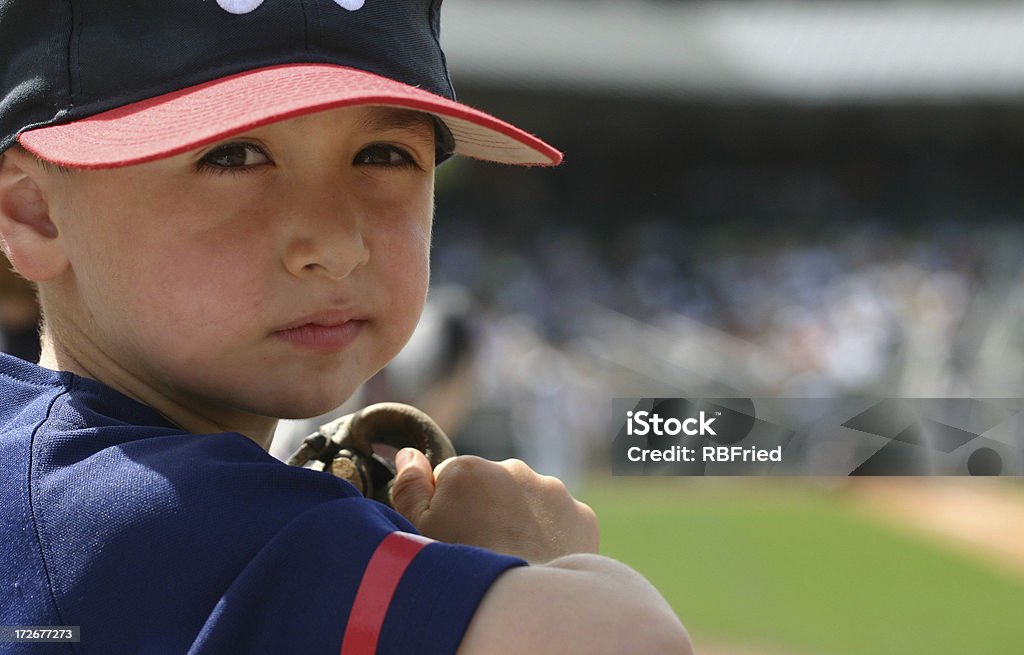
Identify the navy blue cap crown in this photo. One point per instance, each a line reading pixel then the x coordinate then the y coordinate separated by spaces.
pixel 63 60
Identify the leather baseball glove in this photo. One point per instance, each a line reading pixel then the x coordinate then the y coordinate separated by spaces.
pixel 360 447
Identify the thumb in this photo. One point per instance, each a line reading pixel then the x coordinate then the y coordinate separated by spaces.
pixel 413 486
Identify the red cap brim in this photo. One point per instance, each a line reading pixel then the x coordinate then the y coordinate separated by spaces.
pixel 183 120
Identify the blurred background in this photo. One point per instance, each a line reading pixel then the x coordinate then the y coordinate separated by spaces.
pixel 763 199
pixel 759 199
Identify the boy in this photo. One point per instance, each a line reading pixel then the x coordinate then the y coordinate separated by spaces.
pixel 226 208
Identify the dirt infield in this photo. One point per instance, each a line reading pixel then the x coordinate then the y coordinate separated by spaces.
pixel 983 518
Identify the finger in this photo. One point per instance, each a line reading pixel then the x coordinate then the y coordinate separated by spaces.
pixel 413 487
pixel 461 460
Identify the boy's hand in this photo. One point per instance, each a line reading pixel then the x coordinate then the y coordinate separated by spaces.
pixel 571 603
pixel 502 506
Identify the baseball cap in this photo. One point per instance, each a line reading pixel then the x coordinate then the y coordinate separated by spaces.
pixel 106 83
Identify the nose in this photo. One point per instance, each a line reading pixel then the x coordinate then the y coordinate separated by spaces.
pixel 326 235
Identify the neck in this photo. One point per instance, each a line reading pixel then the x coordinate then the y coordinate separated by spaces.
pixel 192 417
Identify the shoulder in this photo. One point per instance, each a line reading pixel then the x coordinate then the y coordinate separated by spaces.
pixel 207 544
pixel 28 392
pixel 220 540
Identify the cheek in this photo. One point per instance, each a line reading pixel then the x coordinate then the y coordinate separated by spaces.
pixel 405 268
pixel 211 295
pixel 154 276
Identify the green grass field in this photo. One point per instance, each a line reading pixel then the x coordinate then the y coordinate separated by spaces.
pixel 791 567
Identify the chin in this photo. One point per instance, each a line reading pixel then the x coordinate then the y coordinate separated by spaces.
pixel 295 407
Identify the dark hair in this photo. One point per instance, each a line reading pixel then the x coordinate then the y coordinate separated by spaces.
pixel 444 142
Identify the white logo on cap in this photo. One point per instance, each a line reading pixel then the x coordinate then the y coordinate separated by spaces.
pixel 245 6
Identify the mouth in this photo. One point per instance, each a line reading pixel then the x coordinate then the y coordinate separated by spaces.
pixel 326 332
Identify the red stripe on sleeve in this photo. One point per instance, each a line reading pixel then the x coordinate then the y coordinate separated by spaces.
pixel 377 588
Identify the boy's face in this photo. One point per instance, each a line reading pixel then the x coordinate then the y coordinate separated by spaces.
pixel 266 275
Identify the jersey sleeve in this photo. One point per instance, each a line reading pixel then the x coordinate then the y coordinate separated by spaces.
pixel 348 576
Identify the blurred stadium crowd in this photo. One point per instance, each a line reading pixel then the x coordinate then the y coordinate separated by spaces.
pixel 565 320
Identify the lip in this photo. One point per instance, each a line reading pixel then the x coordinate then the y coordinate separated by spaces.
pixel 324 332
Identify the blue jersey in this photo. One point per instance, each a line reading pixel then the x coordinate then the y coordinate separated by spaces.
pixel 155 540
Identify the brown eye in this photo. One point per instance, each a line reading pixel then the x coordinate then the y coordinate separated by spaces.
pixel 384 155
pixel 235 155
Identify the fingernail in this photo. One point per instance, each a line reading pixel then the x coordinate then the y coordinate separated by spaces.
pixel 403 458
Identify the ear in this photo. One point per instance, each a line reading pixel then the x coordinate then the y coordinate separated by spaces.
pixel 27 234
